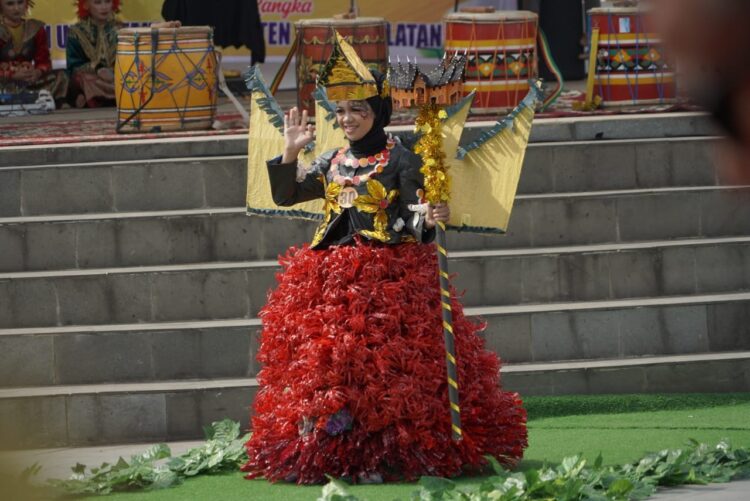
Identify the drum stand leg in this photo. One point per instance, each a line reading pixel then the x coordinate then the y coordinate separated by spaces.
pixel 225 89
pixel 592 67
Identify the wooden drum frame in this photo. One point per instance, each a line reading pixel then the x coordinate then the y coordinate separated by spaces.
pixel 631 68
pixel 166 79
pixel 501 52
pixel 368 36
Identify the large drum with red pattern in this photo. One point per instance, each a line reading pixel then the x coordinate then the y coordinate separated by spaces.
pixel 631 68
pixel 368 36
pixel 501 52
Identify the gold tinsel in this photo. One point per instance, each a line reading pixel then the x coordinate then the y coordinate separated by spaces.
pixel 437 182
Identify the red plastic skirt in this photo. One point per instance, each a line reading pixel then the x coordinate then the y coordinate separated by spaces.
pixel 353 383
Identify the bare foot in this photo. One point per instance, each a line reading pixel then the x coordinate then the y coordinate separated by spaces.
pixel 80 101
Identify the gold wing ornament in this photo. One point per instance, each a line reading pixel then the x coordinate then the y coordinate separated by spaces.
pixel 485 173
pixel 266 141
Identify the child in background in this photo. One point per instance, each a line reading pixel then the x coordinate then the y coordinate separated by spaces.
pixel 24 54
pixel 91 51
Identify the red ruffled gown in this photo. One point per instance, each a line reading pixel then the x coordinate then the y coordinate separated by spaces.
pixel 353 383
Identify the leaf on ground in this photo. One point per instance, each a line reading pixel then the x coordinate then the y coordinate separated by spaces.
pixel 437 484
pixel 336 490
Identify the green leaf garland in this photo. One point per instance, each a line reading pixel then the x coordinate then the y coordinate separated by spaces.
pixel 224 450
pixel 573 479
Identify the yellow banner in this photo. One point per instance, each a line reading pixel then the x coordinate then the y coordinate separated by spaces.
pixel 415 26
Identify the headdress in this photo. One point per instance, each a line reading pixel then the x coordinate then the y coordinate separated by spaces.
pixel 83 8
pixel 345 76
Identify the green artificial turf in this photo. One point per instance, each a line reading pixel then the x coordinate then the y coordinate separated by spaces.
pixel 540 407
pixel 621 428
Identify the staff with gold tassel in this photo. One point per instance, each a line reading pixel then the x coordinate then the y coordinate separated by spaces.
pixel 437 191
pixel 513 130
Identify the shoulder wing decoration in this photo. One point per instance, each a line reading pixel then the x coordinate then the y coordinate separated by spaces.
pixel 485 172
pixel 266 141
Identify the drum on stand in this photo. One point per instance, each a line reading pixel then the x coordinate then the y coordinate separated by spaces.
pixel 502 55
pixel 166 79
pixel 631 68
pixel 368 36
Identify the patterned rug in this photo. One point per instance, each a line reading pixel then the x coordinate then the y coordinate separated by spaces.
pixel 76 131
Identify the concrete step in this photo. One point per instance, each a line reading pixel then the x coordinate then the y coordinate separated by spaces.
pixel 205 182
pixel 120 413
pixel 656 125
pixel 173 410
pixel 207 291
pixel 619 165
pixel 715 372
pixel 126 149
pixel 130 295
pixel 121 186
pixel 189 236
pixel 149 352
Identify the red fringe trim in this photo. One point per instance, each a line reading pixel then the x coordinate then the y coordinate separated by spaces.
pixel 358 328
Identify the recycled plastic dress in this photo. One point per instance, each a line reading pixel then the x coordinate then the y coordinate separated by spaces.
pixel 353 383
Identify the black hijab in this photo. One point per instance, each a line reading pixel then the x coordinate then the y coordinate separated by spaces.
pixel 375 139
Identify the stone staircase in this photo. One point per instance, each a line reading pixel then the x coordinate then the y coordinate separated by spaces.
pixel 130 277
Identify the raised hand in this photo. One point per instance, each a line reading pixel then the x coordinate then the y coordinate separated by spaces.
pixel 297 134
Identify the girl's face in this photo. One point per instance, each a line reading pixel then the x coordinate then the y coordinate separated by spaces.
pixel 355 118
pixel 13 10
pixel 100 10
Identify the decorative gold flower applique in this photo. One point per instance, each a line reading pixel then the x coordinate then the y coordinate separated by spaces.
pixel 378 200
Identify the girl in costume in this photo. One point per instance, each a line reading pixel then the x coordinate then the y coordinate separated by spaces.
pixel 353 382
pixel 91 51
pixel 24 53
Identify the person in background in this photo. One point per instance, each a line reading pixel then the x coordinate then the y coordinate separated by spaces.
pixel 240 28
pixel 24 53
pixel 711 42
pixel 90 53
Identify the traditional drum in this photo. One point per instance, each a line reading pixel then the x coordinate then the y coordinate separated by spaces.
pixel 501 53
pixel 368 36
pixel 165 79
pixel 631 67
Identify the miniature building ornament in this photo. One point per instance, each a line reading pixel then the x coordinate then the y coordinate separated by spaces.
pixel 410 86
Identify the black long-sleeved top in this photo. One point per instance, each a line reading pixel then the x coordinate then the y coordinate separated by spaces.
pixel 389 207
